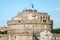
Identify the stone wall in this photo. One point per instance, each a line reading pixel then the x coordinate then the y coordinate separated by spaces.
pixel 3 37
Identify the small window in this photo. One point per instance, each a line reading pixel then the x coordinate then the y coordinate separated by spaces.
pixel 19 21
pixel 48 17
pixel 43 17
pixel 44 20
pixel 0 37
pixel 33 15
pixel 15 36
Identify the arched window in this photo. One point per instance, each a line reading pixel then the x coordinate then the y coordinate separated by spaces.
pixel 41 18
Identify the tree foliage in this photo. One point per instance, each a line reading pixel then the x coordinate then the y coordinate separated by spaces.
pixel 56 30
pixel 3 32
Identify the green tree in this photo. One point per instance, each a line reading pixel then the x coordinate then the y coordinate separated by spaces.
pixel 56 30
pixel 3 32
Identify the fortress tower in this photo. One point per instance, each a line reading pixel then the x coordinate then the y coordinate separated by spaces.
pixel 28 24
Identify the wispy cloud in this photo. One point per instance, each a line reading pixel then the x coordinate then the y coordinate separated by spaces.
pixel 57 9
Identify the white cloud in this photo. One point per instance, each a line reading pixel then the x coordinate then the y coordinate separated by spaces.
pixel 57 9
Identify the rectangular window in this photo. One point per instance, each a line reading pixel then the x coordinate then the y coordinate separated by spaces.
pixel 44 20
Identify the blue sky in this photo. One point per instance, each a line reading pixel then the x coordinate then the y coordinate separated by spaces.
pixel 10 8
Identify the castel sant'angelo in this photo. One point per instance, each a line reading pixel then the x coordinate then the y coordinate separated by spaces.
pixel 29 25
